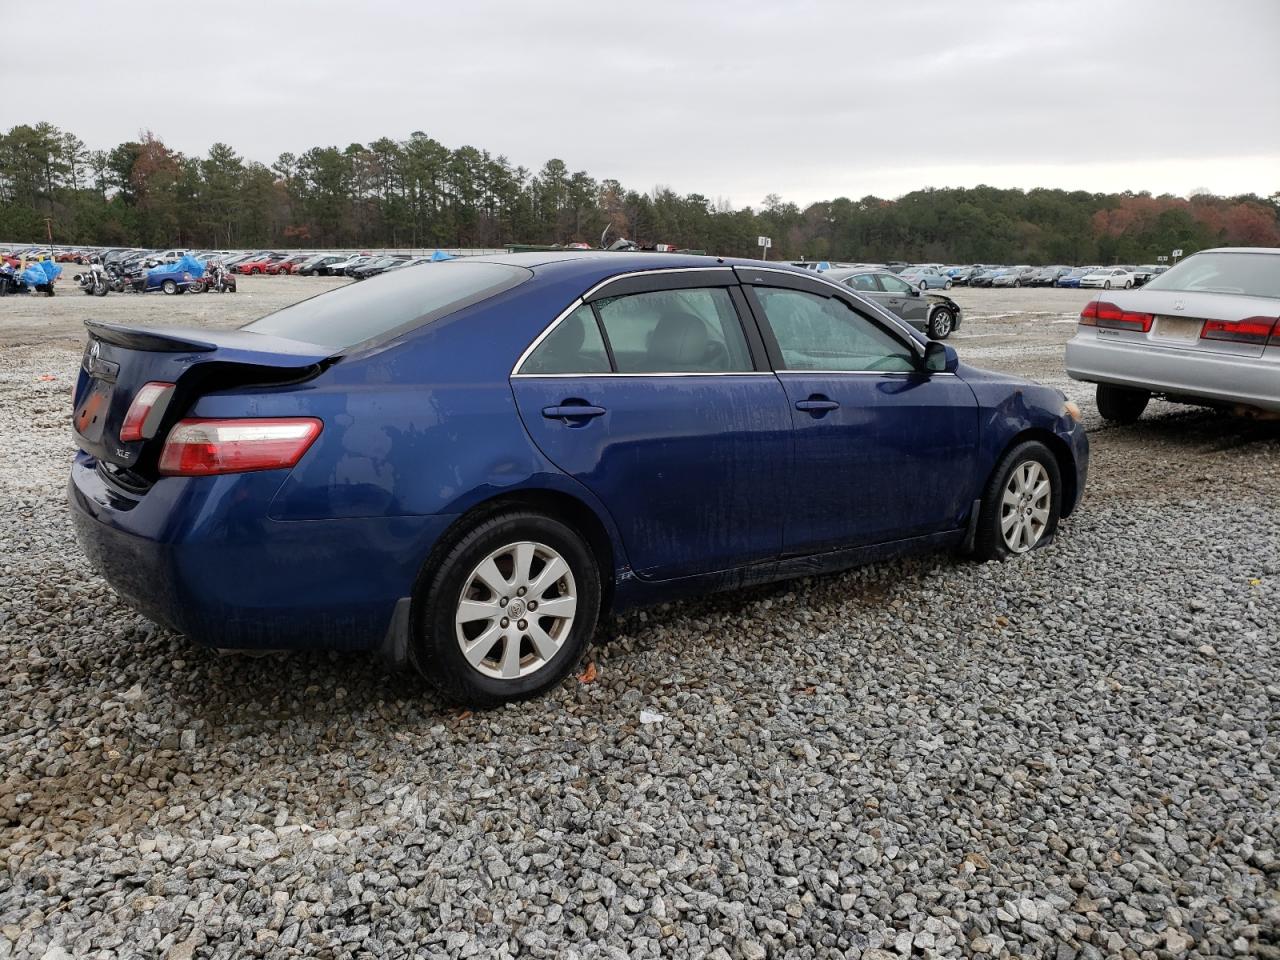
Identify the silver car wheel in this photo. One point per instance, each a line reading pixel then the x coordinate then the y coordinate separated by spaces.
pixel 1025 506
pixel 940 323
pixel 516 610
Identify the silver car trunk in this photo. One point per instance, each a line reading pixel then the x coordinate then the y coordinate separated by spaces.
pixel 1180 317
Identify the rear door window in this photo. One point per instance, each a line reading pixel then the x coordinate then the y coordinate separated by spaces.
pixel 694 330
pixel 573 346
pixel 389 304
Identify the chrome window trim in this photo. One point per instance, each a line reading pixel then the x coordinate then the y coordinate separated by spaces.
pixel 582 376
pixel 515 370
pixel 868 373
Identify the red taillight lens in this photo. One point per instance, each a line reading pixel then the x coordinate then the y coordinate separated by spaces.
pixel 1100 313
pixel 145 402
pixel 1255 330
pixel 201 448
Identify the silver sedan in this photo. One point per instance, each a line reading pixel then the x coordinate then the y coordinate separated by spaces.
pixel 1207 332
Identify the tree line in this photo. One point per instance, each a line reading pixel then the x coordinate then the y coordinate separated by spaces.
pixel 419 193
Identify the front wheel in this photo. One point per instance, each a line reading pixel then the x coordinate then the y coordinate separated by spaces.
pixel 100 290
pixel 1121 404
pixel 941 323
pixel 1020 508
pixel 509 610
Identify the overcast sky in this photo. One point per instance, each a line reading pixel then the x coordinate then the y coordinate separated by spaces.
pixel 735 100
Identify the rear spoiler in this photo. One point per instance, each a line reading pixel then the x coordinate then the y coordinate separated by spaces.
pixel 235 346
pixel 154 340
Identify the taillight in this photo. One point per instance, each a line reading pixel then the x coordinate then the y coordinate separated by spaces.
pixel 145 402
pixel 1100 313
pixel 1255 330
pixel 201 448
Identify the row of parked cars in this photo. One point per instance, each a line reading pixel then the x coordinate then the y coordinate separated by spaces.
pixel 248 263
pixel 937 276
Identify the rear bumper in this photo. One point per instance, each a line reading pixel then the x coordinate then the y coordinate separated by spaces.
pixel 1253 381
pixel 201 557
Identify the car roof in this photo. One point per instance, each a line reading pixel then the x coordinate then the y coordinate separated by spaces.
pixel 1271 250
pixel 592 266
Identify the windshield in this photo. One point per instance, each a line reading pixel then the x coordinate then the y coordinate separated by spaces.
pixel 389 304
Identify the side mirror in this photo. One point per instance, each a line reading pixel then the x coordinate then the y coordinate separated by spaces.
pixel 939 358
pixel 914 292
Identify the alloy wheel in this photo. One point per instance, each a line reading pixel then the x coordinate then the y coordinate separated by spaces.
pixel 1025 506
pixel 516 610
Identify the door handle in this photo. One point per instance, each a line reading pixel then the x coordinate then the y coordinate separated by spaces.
pixel 572 411
pixel 817 405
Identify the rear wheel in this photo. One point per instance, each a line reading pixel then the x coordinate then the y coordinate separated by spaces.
pixel 169 287
pixel 1121 404
pixel 509 611
pixel 1021 505
pixel 924 284
pixel 1106 284
pixel 1128 284
pixel 947 285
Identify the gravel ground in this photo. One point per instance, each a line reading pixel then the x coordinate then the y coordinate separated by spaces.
pixel 1070 755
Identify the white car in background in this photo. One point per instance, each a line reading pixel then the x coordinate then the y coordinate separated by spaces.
pixel 1109 277
pixel 1207 332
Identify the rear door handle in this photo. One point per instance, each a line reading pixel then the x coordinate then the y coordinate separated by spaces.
pixel 816 405
pixel 572 411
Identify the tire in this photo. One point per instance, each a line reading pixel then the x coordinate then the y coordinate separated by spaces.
pixel 1016 515
pixel 941 323
pixel 500 542
pixel 947 285
pixel 1017 283
pixel 169 287
pixel 924 285
pixel 255 270
pixel 100 290
pixel 1121 404
pixel 1106 284
pixel 1128 284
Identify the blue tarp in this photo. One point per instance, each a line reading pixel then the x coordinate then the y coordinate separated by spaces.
pixel 34 276
pixel 440 255
pixel 186 264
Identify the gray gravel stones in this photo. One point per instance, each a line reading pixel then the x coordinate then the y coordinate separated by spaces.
pixel 1069 756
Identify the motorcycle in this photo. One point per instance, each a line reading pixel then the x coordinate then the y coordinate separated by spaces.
pixel 94 281
pixel 216 279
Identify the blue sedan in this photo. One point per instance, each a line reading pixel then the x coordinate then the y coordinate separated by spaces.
pixel 466 465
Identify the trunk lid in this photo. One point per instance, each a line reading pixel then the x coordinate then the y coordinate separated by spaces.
pixel 1180 317
pixel 119 360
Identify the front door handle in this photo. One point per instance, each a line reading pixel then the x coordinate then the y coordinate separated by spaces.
pixel 571 412
pixel 817 405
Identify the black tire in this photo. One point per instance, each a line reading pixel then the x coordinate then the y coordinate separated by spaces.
pixel 1128 284
pixel 1017 283
pixel 1121 404
pixel 941 323
pixel 100 290
pixel 1106 284
pixel 435 650
pixel 924 284
pixel 989 544
pixel 947 285
pixel 169 287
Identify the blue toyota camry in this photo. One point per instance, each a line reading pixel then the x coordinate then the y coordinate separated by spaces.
pixel 465 464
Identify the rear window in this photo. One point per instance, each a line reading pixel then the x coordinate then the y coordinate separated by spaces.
pixel 389 304
pixel 1251 274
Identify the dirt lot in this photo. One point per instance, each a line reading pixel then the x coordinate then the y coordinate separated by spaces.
pixel 1070 755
